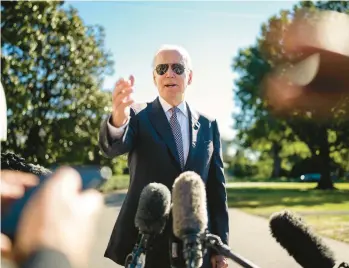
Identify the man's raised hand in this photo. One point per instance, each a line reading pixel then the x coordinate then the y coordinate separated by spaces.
pixel 122 101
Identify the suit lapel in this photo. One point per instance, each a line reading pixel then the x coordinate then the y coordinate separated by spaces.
pixel 194 127
pixel 159 121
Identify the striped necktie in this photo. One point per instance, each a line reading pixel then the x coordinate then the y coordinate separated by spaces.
pixel 177 134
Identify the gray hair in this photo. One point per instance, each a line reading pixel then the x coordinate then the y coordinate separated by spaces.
pixel 184 53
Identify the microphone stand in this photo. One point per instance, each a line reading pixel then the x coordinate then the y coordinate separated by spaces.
pixel 342 265
pixel 136 259
pixel 215 242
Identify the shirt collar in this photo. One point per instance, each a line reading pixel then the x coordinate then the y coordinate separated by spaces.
pixel 166 106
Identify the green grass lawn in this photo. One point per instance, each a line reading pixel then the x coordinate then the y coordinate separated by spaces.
pixel 117 182
pixel 326 211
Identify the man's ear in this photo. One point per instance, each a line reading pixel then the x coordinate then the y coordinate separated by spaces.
pixel 190 77
pixel 154 80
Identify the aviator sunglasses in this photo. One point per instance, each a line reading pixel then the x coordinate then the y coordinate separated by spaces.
pixel 178 68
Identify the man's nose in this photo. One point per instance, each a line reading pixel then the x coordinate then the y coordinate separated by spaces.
pixel 170 72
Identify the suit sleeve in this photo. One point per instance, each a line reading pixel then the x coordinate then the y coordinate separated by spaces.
pixel 112 147
pixel 46 258
pixel 216 190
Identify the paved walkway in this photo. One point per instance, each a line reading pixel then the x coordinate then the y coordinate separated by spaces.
pixel 249 237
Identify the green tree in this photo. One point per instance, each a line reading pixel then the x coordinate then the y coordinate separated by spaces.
pixel 52 72
pixel 256 125
pixel 253 64
pixel 240 166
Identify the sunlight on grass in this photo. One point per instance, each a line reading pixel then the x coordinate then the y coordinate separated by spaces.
pixel 327 211
pixel 334 226
pixel 282 185
pixel 298 196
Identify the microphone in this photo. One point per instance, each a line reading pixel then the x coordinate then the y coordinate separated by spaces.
pixel 190 220
pixel 190 215
pixel 291 232
pixel 151 217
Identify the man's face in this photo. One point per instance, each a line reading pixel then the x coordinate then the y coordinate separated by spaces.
pixel 171 76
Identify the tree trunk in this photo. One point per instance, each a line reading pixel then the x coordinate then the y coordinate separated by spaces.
pixel 34 147
pixel 275 150
pixel 96 156
pixel 324 162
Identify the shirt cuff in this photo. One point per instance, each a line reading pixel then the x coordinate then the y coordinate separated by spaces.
pixel 116 132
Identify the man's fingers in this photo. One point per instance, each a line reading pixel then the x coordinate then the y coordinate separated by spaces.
pixel 128 103
pixel 121 98
pixel 66 178
pixel 123 93
pixel 119 86
pixel 223 263
pixel 213 262
pixel 219 261
pixel 19 178
pixel 13 183
pixel 91 200
pixel 28 180
pixel 122 105
pixel 11 191
pixel 6 247
pixel 119 93
pixel 132 80
pixel 122 84
pixel 119 82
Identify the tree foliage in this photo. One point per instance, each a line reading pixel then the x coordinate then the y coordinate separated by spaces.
pixel 53 67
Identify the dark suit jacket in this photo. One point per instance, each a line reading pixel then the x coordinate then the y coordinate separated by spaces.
pixel 153 157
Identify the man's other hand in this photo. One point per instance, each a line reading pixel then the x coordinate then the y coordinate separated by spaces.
pixel 219 261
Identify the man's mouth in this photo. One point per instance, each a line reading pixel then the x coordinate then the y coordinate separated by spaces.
pixel 170 85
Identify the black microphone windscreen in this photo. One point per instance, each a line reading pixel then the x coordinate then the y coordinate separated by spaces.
pixel 189 208
pixel 15 162
pixel 295 236
pixel 153 209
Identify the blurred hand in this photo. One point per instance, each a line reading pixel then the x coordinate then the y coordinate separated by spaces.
pixel 219 261
pixel 313 30
pixel 308 87
pixel 13 184
pixel 122 101
pixel 6 247
pixel 59 216
pixel 316 84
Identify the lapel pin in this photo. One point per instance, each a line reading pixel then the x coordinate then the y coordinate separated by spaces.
pixel 197 125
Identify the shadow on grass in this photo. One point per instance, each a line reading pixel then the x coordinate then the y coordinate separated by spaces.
pixel 255 197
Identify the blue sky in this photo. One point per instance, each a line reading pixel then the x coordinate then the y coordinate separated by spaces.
pixel 212 32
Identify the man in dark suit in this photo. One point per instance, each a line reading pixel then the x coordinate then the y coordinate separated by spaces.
pixel 164 138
